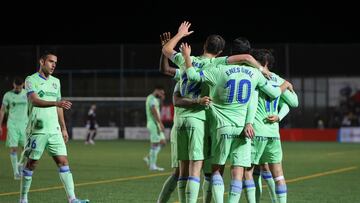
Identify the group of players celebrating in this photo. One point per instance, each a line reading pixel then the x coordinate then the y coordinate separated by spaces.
pixel 227 110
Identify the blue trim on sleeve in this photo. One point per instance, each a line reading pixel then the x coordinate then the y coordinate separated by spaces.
pixel 27 94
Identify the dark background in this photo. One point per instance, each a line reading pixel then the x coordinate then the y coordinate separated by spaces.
pixel 137 24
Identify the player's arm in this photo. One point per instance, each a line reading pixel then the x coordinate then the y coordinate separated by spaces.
pixel 250 115
pixel 61 119
pixel 184 102
pixel 36 101
pixel 270 90
pixel 164 67
pixel 156 116
pixel 183 31
pixel 2 114
pixel 284 110
pixel 291 98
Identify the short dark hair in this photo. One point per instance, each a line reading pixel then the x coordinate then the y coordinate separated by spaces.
pixel 18 80
pixel 45 54
pixel 214 44
pixel 264 56
pixel 240 45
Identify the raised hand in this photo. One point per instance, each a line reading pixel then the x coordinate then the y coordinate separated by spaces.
pixel 183 30
pixel 185 49
pixel 164 38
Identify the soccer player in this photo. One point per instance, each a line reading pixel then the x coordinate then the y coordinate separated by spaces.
pixel 46 128
pixel 91 125
pixel 192 121
pixel 15 104
pixel 266 148
pixel 179 103
pixel 155 126
pixel 231 87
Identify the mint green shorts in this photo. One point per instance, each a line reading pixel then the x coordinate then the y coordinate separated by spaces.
pixel 190 138
pixel 232 144
pixel 37 143
pixel 15 135
pixel 155 136
pixel 266 150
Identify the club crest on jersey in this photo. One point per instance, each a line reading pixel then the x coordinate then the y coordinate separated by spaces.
pixel 28 85
pixel 54 85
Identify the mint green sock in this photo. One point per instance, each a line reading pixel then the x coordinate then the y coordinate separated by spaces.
pixel 168 187
pixel 206 189
pixel 25 184
pixel 281 193
pixel 14 161
pixel 192 189
pixel 270 184
pixel 218 188
pixel 250 189
pixel 258 186
pixel 235 191
pixel 67 180
pixel 182 181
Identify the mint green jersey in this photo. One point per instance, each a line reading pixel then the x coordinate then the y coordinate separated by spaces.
pixel 269 106
pixel 152 101
pixel 16 106
pixel 43 120
pixel 193 89
pixel 231 87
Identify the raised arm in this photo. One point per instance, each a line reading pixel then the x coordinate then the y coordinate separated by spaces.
pixel 164 67
pixel 183 31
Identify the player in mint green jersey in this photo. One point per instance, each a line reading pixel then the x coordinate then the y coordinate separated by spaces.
pixel 266 147
pixel 46 129
pixel 230 91
pixel 192 123
pixel 180 103
pixel 155 126
pixel 14 103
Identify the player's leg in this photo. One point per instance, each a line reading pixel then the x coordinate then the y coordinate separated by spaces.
pixel 183 178
pixel 220 152
pixel 236 184
pixel 258 184
pixel 249 179
pixel 217 181
pixel 267 176
pixel 258 148
pixel 240 158
pixel 206 187
pixel 155 138
pixel 171 182
pixel 274 159
pixel 34 148
pixel 12 141
pixel 196 131
pixel 183 157
pixel 93 135
pixel 57 149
